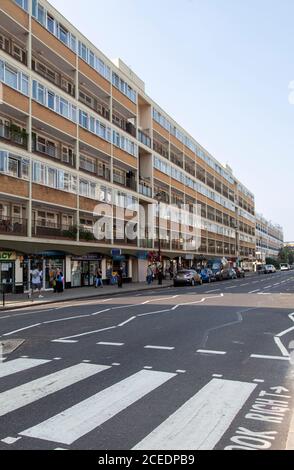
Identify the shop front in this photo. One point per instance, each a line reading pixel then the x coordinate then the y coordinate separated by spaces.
pixel 48 262
pixel 84 269
pixel 7 270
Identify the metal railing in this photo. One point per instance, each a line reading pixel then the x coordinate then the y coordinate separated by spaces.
pixel 13 226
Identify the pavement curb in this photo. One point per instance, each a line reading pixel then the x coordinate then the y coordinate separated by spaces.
pixel 290 439
pixel 94 296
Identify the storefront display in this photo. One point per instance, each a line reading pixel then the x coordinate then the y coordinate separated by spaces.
pixel 84 269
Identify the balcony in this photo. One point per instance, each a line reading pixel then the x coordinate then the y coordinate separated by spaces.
pixel 54 230
pixel 97 168
pixel 144 138
pixel 99 106
pixel 125 180
pixel 56 152
pixel 14 135
pixel 159 148
pixel 145 188
pixel 54 77
pixel 13 226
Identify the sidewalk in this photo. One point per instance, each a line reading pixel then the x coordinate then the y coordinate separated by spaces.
pixel 17 301
pixel 290 440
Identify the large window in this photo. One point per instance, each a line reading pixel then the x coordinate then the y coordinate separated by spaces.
pixel 53 177
pixel 95 62
pixel 14 78
pixel 14 165
pixel 23 4
pixel 54 102
pixel 40 13
pixel 94 125
pixel 124 143
pixel 122 86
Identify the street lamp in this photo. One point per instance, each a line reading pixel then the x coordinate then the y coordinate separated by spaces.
pixel 158 196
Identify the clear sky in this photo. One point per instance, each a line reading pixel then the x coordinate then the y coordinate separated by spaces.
pixel 222 69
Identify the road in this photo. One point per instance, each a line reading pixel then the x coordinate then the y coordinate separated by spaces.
pixel 206 367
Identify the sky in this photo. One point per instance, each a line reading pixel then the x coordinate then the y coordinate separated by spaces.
pixel 223 69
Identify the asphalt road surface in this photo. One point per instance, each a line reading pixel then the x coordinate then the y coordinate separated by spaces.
pixel 206 367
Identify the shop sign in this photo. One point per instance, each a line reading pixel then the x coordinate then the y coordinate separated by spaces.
pixel 142 255
pixel 7 256
pixel 87 258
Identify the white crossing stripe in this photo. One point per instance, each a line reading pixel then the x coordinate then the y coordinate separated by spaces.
pixel 18 365
pixel 30 392
pixel 167 348
pixel 80 419
pixel 207 351
pixel 201 421
pixel 104 343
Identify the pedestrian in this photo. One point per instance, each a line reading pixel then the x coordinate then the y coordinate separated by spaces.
pixel 171 272
pixel 37 277
pixel 99 281
pixel 149 274
pixel 119 278
pixel 59 282
pixel 160 276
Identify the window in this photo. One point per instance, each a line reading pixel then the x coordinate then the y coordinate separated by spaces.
pixel 124 87
pixel 11 77
pixel 63 34
pixel 23 4
pixel 51 100
pixel 50 24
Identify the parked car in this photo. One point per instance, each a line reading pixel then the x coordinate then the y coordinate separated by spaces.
pixel 229 273
pixel 269 268
pixel 240 272
pixel 206 275
pixel 284 267
pixel 187 277
pixel 260 269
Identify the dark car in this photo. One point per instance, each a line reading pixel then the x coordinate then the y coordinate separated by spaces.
pixel 206 275
pixel 187 277
pixel 240 272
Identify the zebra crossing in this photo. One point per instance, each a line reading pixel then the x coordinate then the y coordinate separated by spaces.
pixel 198 423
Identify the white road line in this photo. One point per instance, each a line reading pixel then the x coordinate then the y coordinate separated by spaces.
pixel 100 311
pixel 21 329
pixel 253 291
pixel 158 300
pixel 285 332
pixel 180 371
pixel 19 365
pixel 277 284
pixel 80 419
pixel 211 291
pixel 201 422
pixel 10 440
pixel 159 347
pixel 83 334
pixel 281 346
pixel 63 341
pixel 65 319
pixel 151 313
pixel 242 285
pixel 110 344
pixel 268 287
pixel 258 381
pixel 260 356
pixel 217 376
pixel 127 321
pixel 231 287
pixel 207 351
pixel 30 392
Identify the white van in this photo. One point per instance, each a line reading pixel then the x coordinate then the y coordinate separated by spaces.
pixel 284 267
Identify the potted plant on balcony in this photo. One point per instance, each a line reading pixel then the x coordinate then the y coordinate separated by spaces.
pixel 17 134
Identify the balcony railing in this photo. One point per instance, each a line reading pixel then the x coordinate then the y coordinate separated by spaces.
pixel 145 189
pixel 101 172
pixel 54 152
pixel 125 181
pixel 13 226
pixel 160 149
pixel 54 230
pixel 14 135
pixel 144 138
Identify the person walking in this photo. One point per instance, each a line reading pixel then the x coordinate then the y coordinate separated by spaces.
pixel 160 276
pixel 119 278
pixel 37 277
pixel 99 281
pixel 149 274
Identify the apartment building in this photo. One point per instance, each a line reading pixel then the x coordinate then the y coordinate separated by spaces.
pixel 77 129
pixel 269 239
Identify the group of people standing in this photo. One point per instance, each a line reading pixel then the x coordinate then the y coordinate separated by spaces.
pixel 116 278
pixel 156 272
pixel 56 277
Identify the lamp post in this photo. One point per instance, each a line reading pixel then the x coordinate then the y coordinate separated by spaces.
pixel 158 196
